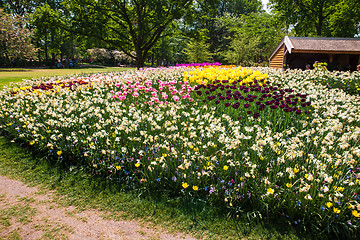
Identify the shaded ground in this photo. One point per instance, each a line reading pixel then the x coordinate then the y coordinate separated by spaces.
pixel 28 213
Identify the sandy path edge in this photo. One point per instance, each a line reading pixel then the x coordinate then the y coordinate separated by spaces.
pixel 46 219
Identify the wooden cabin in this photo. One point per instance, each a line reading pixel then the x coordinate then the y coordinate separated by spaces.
pixel 296 52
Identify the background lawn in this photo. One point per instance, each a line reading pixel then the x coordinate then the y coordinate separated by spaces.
pixel 8 75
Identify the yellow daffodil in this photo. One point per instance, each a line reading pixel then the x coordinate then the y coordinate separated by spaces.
pixel 336 210
pixel 355 213
pixel 118 168
pixel 195 188
pixel 59 153
pixel 185 185
pixel 137 164
pixel 329 204
pixel 270 190
pixel 225 167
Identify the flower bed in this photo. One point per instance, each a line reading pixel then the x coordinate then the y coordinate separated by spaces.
pixel 265 143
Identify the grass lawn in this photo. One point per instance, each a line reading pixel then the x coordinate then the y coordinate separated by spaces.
pixel 8 75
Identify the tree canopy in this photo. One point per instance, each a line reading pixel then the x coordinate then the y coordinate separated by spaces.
pixel 128 24
pixel 331 18
pixel 154 32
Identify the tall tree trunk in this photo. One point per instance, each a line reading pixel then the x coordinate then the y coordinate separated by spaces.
pixel 319 26
pixel 140 62
pixel 140 58
pixel 46 49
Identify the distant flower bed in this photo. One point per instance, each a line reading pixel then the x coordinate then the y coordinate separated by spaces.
pixel 260 142
pixel 197 64
pixel 346 81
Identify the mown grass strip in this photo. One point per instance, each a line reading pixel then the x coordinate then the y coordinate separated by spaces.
pixel 8 75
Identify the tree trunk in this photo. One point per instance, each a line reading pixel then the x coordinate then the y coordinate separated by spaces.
pixel 140 59
pixel 319 27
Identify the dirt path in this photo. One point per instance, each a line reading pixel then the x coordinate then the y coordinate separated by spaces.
pixel 27 214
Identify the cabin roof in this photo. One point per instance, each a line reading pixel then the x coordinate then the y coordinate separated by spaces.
pixel 319 44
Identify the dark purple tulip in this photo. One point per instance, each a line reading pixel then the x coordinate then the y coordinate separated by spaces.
pixel 249 112
pixel 258 103
pixel 207 92
pixel 274 106
pixel 217 101
pixel 199 93
pixel 298 112
pixel 236 105
pixel 247 105
pixel 227 104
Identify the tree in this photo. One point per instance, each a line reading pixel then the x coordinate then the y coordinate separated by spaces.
pixel 238 7
pixel 205 15
pixel 243 51
pixel 15 38
pixel 197 51
pixel 127 25
pixel 315 17
pixel 47 34
pixel 254 37
pixel 19 7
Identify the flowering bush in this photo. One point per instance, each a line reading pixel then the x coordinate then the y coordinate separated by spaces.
pixel 277 144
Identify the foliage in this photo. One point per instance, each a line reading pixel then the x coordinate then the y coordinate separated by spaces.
pixel 197 51
pixel 15 38
pixel 254 37
pixel 127 25
pixel 329 18
pixel 47 35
